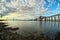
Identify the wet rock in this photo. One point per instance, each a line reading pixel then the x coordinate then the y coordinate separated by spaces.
pixel 33 37
pixel 57 36
pixel 6 34
pixel 14 28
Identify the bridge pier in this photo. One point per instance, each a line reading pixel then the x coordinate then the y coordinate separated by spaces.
pixel 51 18
pixel 45 19
pixel 58 17
pixel 54 18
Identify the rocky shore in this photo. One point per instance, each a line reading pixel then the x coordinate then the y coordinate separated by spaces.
pixel 8 34
pixel 57 36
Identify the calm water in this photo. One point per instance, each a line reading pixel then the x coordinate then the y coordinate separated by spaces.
pixel 36 27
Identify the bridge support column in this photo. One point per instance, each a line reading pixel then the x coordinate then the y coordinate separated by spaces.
pixel 51 18
pixel 58 17
pixel 54 18
pixel 45 18
pixel 48 18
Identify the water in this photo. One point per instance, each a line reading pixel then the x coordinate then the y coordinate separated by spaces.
pixel 36 27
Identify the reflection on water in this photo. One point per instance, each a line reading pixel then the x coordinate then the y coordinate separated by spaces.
pixel 36 27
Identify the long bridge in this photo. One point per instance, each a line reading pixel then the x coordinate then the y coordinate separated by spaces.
pixel 49 18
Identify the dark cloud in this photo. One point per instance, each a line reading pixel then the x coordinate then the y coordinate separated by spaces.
pixel 27 8
pixel 8 0
pixel 11 9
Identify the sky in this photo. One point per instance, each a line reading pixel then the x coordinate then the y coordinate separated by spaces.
pixel 28 9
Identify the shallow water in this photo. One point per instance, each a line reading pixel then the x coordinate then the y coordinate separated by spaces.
pixel 36 27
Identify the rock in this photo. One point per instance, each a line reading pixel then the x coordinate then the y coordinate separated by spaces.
pixel 6 34
pixel 57 36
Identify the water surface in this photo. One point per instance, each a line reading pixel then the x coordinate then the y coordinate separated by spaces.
pixel 36 27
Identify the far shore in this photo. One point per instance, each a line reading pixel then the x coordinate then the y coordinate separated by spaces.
pixel 31 20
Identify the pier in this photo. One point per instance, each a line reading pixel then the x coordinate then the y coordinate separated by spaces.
pixel 49 18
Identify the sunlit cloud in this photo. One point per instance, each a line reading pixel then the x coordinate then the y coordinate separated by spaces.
pixel 26 8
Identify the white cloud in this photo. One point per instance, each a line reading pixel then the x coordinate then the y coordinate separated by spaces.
pixel 30 7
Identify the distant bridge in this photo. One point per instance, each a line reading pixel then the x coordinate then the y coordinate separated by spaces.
pixel 53 17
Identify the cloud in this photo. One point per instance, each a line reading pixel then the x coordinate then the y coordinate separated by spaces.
pixel 14 15
pixel 30 7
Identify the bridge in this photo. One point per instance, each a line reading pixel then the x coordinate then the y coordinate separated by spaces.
pixel 49 18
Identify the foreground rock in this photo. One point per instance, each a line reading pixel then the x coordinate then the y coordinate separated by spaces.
pixel 57 36
pixel 7 34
